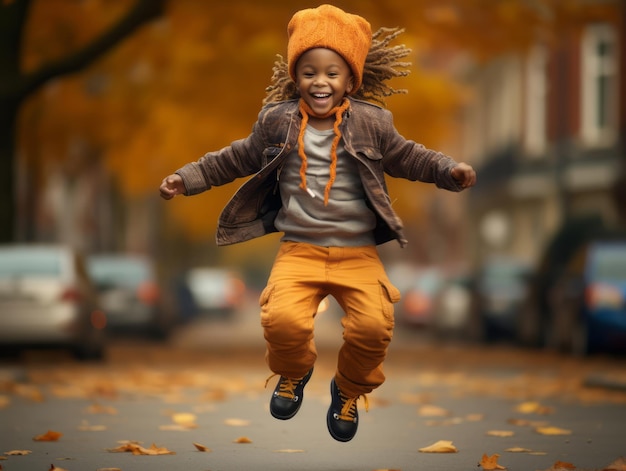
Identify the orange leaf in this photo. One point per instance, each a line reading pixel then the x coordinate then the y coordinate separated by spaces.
pixel 242 440
pixel 136 449
pixel 563 465
pixel 490 462
pixel 553 431
pixel 49 436
pixel 201 447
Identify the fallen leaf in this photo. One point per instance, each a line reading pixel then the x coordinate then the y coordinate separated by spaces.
pixel 527 423
pixel 175 428
pixel 442 446
pixel 49 436
pixel 100 409
pixel 242 440
pixel 136 449
pixel 54 468
pixel 202 447
pixel 18 452
pixel 237 422
pixel 553 431
pixel 185 419
pixel 288 450
pixel 562 465
pixel 490 462
pixel 517 449
pixel 532 407
pixel 4 401
pixel 617 465
pixel 430 410
pixel 500 433
pixel 86 427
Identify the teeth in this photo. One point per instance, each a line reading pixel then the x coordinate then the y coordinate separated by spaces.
pixel 321 95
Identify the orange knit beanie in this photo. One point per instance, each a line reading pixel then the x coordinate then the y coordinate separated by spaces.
pixel 329 27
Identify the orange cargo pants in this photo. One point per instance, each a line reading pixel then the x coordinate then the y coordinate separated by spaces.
pixel 301 277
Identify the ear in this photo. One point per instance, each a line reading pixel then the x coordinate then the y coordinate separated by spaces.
pixel 350 86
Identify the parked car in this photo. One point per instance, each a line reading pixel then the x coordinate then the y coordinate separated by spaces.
pixel 131 295
pixel 214 291
pixel 499 288
pixel 418 305
pixel 48 299
pixel 453 306
pixel 588 301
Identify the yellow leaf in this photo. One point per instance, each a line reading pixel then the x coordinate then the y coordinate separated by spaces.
pixel 18 452
pixel 517 449
pixel 242 440
pixel 186 419
pixel 442 446
pixel 490 462
pixel 49 436
pixel 237 422
pixel 430 410
pixel 201 447
pixel 532 407
pixel 500 433
pixel 553 431
pixel 4 401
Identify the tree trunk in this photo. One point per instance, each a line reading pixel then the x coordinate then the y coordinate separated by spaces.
pixel 15 87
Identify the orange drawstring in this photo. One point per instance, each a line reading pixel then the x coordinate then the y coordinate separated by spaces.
pixel 338 111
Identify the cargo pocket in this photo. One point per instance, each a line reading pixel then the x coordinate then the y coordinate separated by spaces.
pixel 391 295
pixel 264 303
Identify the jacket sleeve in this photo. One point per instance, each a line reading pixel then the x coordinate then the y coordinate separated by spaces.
pixel 241 158
pixel 403 158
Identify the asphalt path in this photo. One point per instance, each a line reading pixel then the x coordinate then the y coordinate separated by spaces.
pixel 206 387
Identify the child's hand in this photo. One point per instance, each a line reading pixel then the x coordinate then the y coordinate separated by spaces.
pixel 464 174
pixel 171 186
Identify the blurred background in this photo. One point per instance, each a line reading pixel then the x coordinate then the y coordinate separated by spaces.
pixel 101 99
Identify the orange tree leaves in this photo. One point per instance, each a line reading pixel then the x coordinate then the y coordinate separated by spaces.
pixel 194 81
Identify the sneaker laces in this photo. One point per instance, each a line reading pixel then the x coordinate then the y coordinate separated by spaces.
pixel 348 410
pixel 287 386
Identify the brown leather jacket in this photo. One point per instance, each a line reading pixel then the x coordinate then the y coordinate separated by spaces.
pixel 368 135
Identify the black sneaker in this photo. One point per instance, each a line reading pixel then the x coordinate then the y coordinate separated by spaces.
pixel 343 417
pixel 287 397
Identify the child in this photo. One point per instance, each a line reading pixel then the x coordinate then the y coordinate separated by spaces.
pixel 318 156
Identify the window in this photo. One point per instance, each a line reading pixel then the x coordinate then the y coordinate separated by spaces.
pixel 599 85
pixel 535 116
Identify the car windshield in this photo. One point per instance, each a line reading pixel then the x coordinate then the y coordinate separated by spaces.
pixel 16 263
pixel 118 272
pixel 610 263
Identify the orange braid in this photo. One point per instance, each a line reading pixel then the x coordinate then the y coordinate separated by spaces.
pixel 338 112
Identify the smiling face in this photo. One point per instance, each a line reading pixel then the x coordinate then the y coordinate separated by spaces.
pixel 323 78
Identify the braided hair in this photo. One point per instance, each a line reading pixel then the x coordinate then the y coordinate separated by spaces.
pixel 383 62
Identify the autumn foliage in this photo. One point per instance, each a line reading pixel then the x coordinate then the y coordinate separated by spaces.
pixel 193 81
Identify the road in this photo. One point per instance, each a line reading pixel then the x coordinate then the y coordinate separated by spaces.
pixel 206 385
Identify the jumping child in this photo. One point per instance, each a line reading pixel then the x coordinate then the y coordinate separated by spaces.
pixel 319 152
